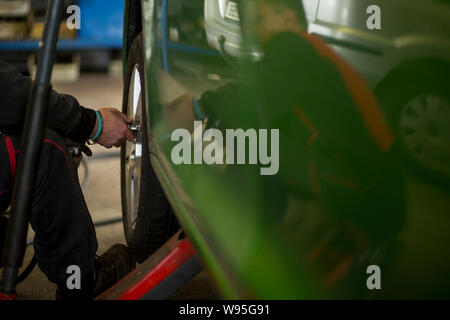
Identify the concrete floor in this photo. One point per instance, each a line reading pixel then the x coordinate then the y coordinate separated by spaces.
pixel 102 192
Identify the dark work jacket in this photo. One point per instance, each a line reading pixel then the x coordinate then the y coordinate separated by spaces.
pixel 66 116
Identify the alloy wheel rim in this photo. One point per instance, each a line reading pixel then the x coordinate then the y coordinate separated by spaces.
pixel 133 150
pixel 422 123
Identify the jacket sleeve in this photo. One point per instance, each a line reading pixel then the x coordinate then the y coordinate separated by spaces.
pixel 66 116
pixel 223 104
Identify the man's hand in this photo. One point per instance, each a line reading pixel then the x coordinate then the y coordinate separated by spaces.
pixel 115 128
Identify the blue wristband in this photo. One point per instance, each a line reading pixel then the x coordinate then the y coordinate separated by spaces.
pixel 100 126
pixel 198 113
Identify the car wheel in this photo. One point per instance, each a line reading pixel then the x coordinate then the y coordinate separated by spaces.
pixel 417 104
pixel 148 218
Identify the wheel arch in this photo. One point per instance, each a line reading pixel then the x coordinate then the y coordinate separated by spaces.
pixel 428 65
pixel 425 75
pixel 132 27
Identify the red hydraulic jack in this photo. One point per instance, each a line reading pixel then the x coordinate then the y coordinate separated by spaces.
pixel 161 275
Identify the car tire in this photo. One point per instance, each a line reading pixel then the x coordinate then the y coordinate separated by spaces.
pixel 154 222
pixel 416 101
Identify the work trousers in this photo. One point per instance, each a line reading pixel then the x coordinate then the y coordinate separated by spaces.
pixel 64 233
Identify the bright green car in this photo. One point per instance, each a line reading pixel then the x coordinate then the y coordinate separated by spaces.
pixel 255 244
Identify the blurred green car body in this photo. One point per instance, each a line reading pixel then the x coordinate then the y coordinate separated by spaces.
pixel 255 250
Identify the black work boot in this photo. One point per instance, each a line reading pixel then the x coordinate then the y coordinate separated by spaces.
pixel 108 269
pixel 111 267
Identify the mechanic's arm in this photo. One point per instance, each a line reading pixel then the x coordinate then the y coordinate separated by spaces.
pixel 220 105
pixel 66 116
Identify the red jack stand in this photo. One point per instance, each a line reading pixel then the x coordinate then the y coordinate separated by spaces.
pixel 161 275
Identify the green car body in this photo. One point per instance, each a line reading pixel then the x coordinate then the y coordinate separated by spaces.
pixel 249 255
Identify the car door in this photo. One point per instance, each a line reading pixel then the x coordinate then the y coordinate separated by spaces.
pixel 256 238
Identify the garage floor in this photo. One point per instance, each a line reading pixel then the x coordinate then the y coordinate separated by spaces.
pixel 102 192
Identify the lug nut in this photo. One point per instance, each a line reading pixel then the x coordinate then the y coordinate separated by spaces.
pixel 135 128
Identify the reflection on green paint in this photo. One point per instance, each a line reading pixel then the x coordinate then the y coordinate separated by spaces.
pixel 347 195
